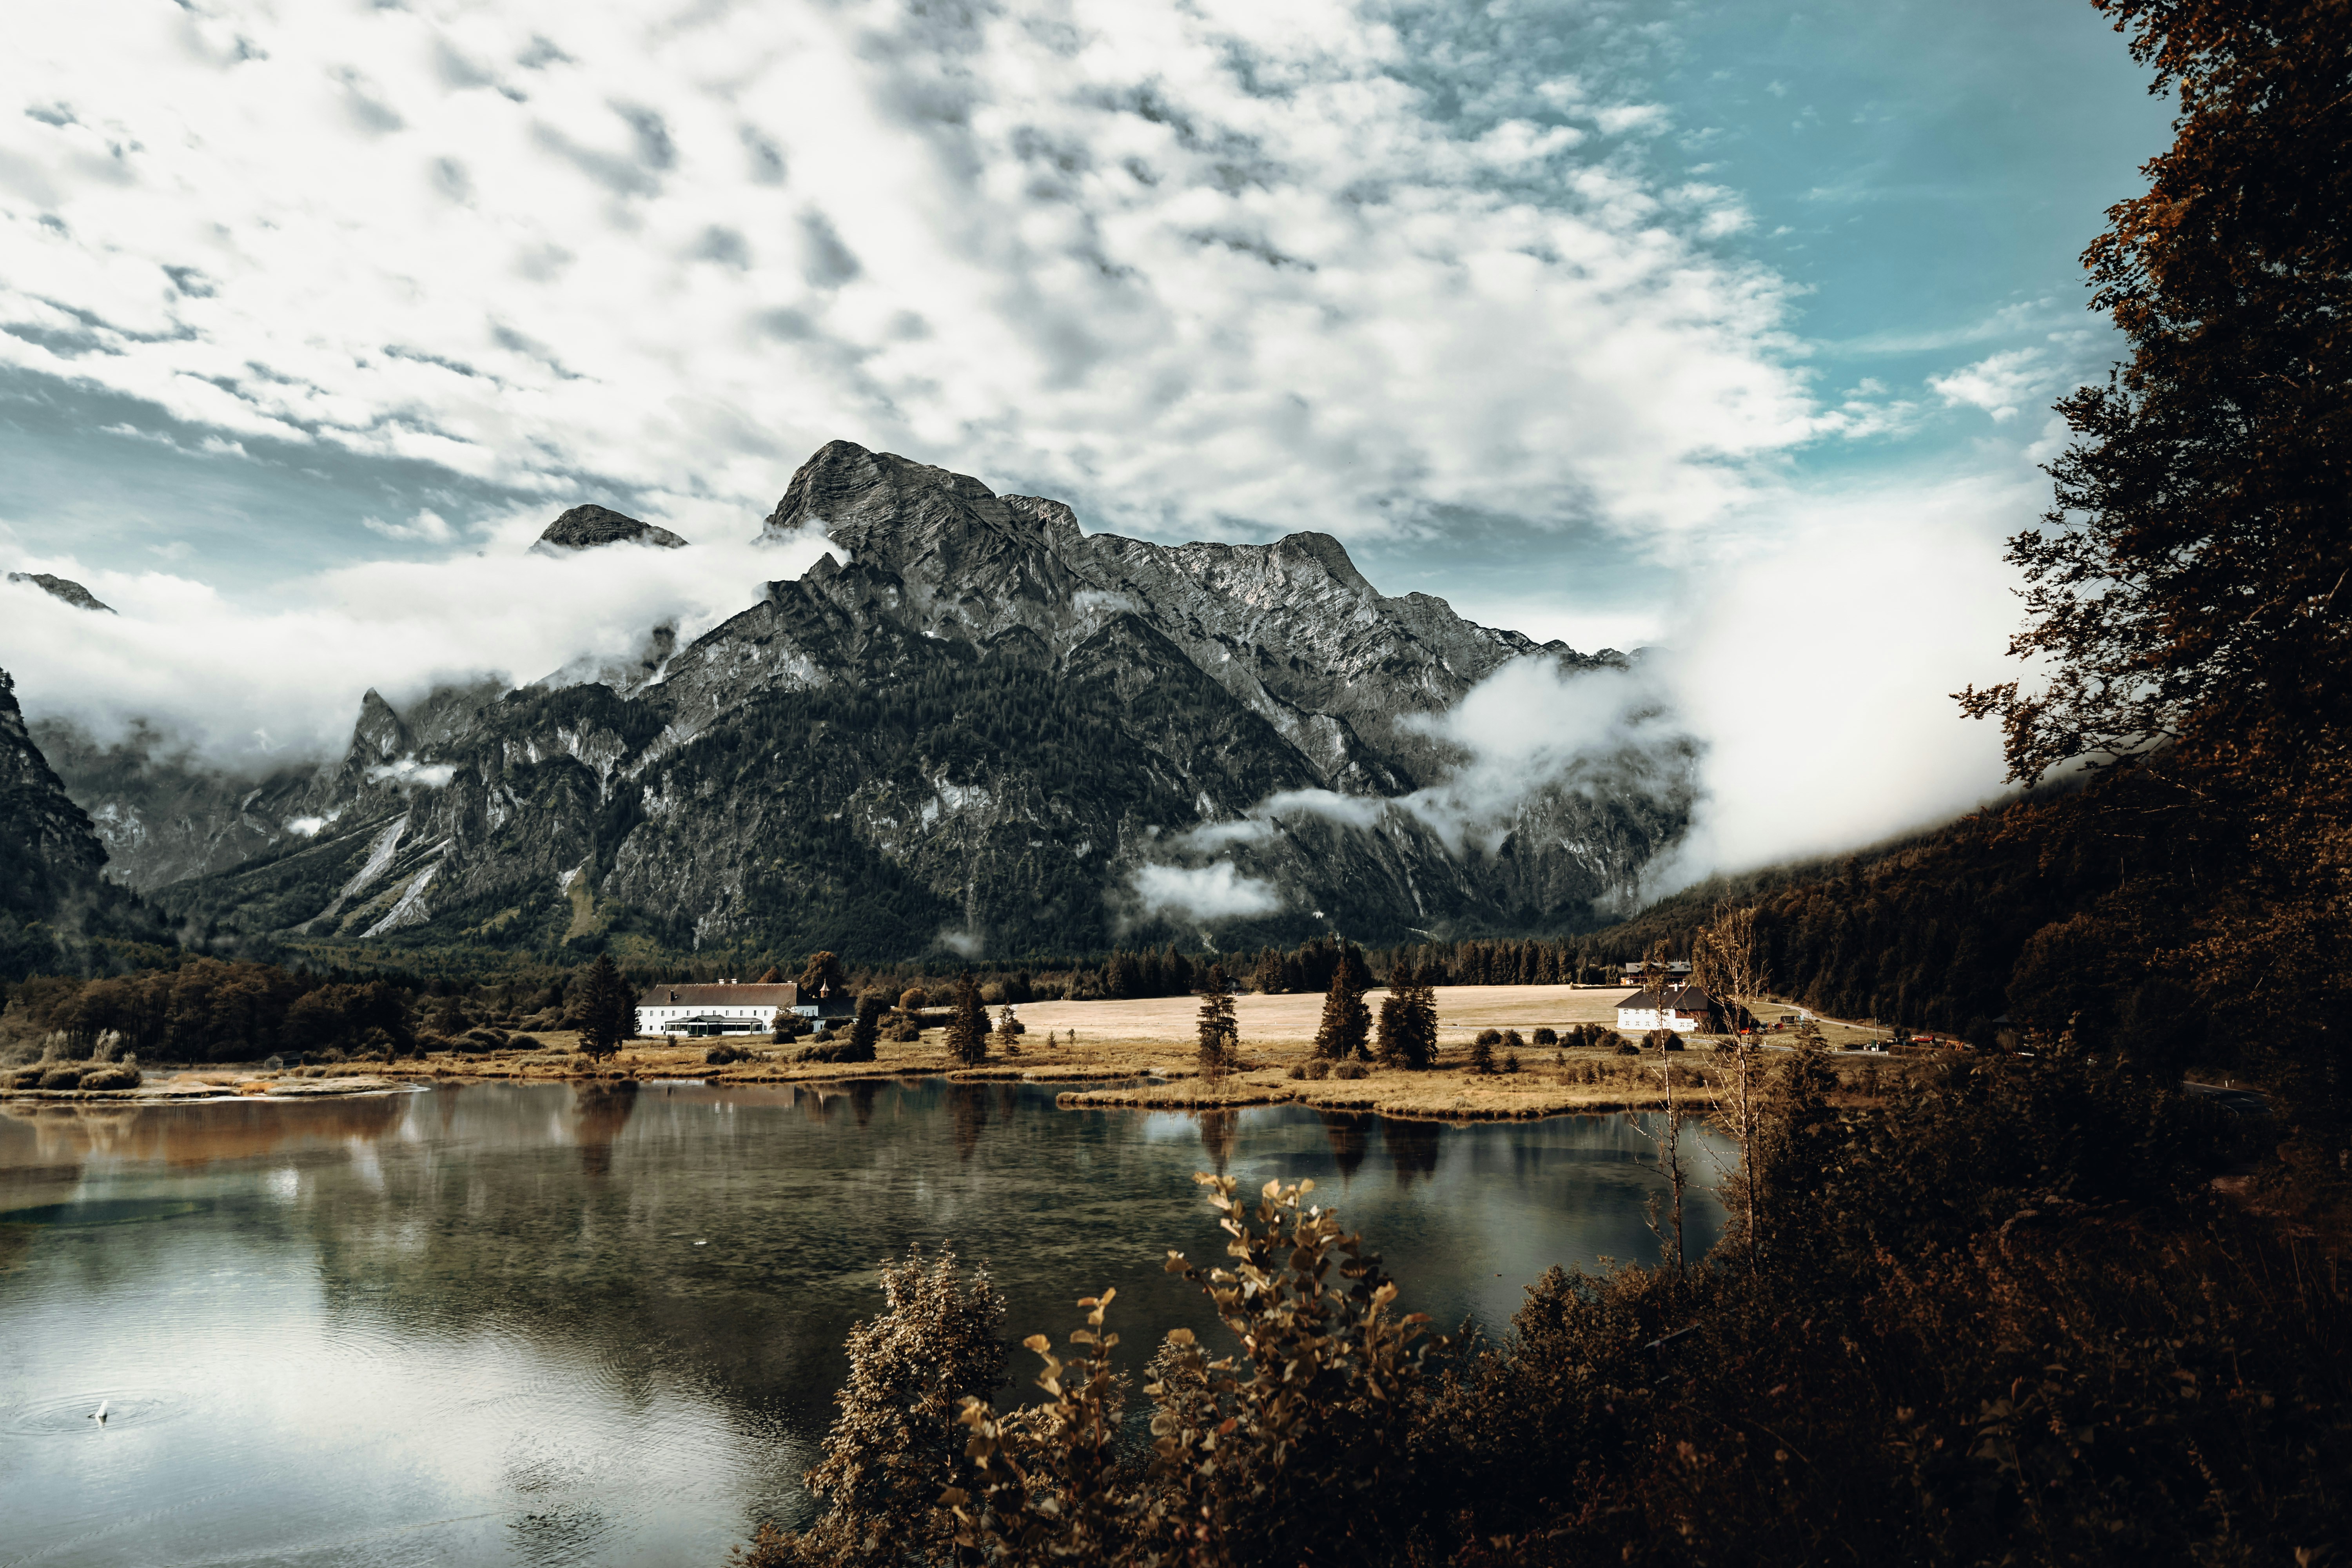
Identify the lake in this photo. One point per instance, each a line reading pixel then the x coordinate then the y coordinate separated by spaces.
pixel 546 1324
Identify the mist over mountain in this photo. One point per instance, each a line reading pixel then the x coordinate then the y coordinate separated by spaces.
pixel 983 730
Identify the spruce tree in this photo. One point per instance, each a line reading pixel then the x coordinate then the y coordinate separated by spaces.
pixel 1347 1023
pixel 968 1028
pixel 608 1012
pixel 1220 1035
pixel 1409 1027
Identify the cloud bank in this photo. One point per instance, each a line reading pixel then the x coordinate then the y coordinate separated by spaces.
pixel 282 681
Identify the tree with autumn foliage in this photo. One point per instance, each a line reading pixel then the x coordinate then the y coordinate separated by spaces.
pixel 2187 596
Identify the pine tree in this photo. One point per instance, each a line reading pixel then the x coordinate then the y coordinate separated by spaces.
pixel 1409 1027
pixel 968 1028
pixel 1347 1023
pixel 608 1012
pixel 1267 976
pixel 1220 1035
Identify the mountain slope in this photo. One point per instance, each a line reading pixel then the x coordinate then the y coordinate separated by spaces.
pixel 985 729
pixel 53 900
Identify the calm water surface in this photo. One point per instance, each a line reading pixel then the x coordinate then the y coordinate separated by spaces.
pixel 509 1324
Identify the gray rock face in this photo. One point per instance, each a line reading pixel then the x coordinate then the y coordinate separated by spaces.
pixel 586 527
pixel 65 588
pixel 986 723
pixel 49 857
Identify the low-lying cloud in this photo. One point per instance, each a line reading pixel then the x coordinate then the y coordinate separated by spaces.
pixel 255 686
pixel 1212 893
pixel 1799 698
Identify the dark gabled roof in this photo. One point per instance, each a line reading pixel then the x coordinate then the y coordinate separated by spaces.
pixel 1673 999
pixel 785 995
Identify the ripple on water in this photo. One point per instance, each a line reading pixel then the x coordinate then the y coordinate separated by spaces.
pixel 104 1211
pixel 68 1415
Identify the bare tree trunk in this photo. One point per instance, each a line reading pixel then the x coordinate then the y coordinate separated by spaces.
pixel 1669 1148
pixel 1728 967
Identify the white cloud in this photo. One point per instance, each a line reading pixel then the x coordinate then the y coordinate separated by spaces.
pixel 408 769
pixel 1101 256
pixel 1817 663
pixel 296 665
pixel 1215 891
pixel 427 527
pixel 2000 383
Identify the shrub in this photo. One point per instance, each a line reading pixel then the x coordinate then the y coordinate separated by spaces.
pixel 65 1075
pixel 1488 1038
pixel 117 1075
pixel 724 1056
pixel 1482 1050
pixel 1315 1067
pixel 913 999
pixel 1351 1069
pixel 1510 1061
pixel 1545 1035
pixel 1299 1447
pixel 1626 1047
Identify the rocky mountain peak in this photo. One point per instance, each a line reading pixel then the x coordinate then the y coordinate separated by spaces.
pixel 65 588
pixel 378 733
pixel 586 527
pixel 890 511
pixel 1330 554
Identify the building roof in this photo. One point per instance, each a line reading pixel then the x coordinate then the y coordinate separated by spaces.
pixel 1671 999
pixel 1668 965
pixel 788 994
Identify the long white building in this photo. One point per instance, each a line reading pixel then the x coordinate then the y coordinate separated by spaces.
pixel 724 1007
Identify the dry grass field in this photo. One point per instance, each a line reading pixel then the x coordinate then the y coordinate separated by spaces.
pixel 1141 1053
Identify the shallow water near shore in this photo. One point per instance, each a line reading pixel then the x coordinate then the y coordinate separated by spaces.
pixel 550 1324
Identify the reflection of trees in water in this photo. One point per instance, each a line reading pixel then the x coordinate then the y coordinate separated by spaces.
pixel 967 1114
pixel 199 1133
pixel 1218 1129
pixel 1413 1148
pixel 600 1113
pixel 862 1094
pixel 1349 1133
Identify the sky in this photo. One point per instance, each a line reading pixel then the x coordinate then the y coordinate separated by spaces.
pixel 1722 326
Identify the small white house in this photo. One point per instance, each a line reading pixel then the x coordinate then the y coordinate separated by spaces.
pixel 1685 1008
pixel 725 1007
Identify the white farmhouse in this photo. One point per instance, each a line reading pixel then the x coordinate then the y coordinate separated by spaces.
pixel 723 1007
pixel 1684 1009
